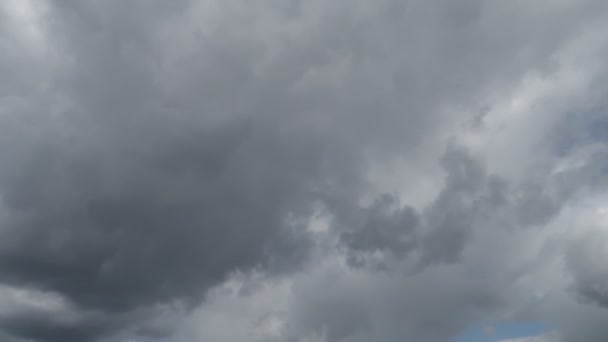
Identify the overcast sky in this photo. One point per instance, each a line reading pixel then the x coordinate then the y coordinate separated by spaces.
pixel 303 171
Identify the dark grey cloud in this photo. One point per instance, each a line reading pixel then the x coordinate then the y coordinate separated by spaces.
pixel 471 199
pixel 585 260
pixel 43 328
pixel 384 227
pixel 130 203
pixel 469 194
pixel 439 232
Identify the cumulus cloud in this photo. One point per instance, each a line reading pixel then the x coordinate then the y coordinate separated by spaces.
pixel 291 171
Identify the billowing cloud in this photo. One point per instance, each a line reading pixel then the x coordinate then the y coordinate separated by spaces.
pixel 337 171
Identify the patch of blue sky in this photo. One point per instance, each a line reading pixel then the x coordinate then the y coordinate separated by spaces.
pixel 497 331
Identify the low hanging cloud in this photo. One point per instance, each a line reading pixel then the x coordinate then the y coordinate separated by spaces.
pixel 301 171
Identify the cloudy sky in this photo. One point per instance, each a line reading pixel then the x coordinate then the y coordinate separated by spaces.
pixel 303 171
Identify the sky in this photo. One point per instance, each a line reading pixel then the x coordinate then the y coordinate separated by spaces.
pixel 303 171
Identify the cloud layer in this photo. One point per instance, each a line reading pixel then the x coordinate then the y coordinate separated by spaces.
pixel 344 171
